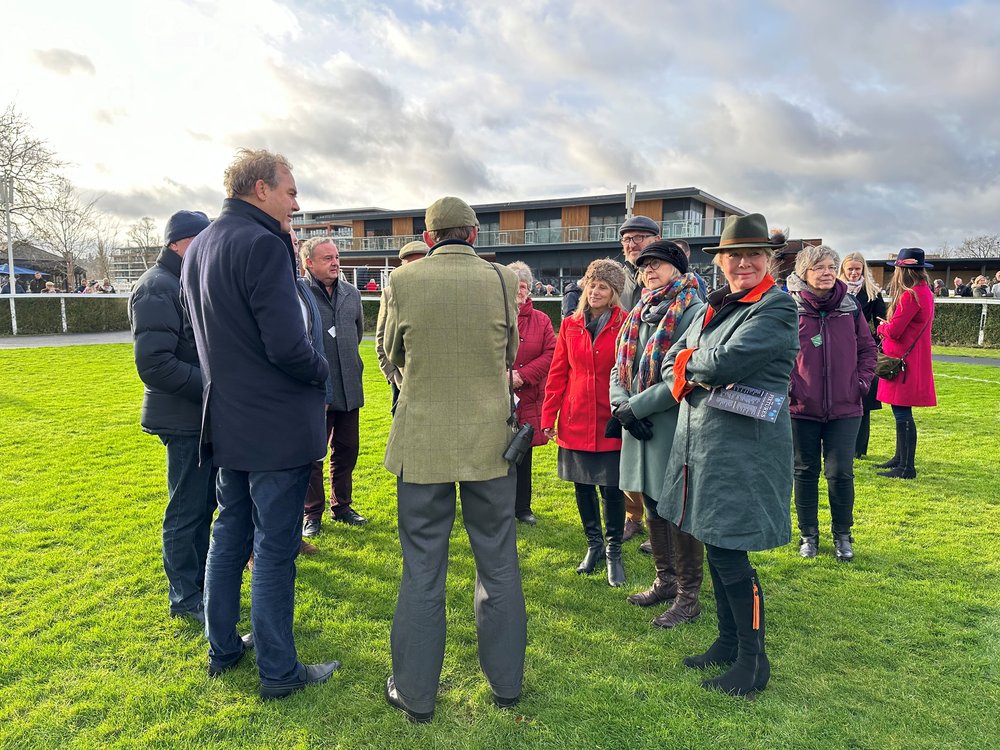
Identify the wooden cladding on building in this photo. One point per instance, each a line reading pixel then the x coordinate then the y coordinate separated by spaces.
pixel 652 209
pixel 402 225
pixel 513 222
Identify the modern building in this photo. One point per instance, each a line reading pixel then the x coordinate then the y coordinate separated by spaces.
pixel 127 264
pixel 557 238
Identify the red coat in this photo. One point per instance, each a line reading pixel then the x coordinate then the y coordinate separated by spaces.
pixel 536 343
pixel 908 319
pixel 579 383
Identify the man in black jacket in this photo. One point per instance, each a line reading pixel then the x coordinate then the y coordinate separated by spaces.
pixel 263 405
pixel 167 362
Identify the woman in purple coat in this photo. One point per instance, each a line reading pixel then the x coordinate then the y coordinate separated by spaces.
pixel 833 371
pixel 537 342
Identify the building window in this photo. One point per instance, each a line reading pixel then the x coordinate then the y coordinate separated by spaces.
pixel 542 231
pixel 604 224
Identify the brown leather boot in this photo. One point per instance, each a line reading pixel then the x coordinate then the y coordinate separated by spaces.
pixel 664 586
pixel 689 556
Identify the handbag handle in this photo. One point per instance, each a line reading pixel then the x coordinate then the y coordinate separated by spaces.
pixel 512 420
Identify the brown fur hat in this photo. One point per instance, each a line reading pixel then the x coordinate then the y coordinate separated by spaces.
pixel 608 271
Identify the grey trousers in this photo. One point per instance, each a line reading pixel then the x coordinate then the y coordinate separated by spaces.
pixel 426 517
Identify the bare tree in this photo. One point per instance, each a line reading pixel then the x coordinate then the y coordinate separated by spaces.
pixel 65 225
pixel 33 167
pixel 142 236
pixel 106 232
pixel 983 246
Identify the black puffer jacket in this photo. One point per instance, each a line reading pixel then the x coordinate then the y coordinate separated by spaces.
pixel 165 355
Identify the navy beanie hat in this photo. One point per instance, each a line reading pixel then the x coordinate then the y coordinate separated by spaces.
pixel 184 224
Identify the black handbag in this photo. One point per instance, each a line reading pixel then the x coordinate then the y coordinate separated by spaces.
pixel 890 368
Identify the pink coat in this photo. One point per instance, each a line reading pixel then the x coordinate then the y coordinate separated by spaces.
pixel 908 320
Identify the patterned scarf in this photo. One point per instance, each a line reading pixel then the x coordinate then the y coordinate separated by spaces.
pixel 662 307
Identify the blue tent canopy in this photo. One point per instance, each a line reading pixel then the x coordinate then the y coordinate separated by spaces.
pixel 5 269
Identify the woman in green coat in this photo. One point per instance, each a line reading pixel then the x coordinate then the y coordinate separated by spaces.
pixel 645 407
pixel 729 476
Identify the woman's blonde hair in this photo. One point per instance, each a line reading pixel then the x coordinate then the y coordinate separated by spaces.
pixel 903 280
pixel 871 288
pixel 584 304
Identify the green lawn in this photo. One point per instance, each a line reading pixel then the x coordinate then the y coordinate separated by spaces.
pixel 896 650
pixel 967 351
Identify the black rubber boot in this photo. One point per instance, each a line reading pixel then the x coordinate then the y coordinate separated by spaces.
pixel 893 462
pixel 905 469
pixel 590 516
pixel 726 647
pixel 809 542
pixel 751 670
pixel 664 586
pixel 614 524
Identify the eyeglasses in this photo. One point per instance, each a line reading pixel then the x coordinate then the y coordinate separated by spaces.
pixel 653 264
pixel 634 239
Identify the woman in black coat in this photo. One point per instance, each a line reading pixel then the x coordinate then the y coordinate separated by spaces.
pixel 855 273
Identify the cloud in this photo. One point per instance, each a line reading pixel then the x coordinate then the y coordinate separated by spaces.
pixel 64 62
pixel 162 200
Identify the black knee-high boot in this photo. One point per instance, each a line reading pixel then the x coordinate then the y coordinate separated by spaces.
pixel 905 469
pixel 614 524
pixel 590 516
pixel 726 647
pixel 751 670
pixel 864 430
pixel 893 462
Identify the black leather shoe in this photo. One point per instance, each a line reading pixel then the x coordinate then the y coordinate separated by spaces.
pixel 843 549
pixel 646 548
pixel 351 517
pixel 215 670
pixel 311 528
pixel 528 518
pixel 393 699
pixel 310 674
pixel 505 703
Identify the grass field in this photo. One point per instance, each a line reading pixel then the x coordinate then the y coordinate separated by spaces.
pixel 900 649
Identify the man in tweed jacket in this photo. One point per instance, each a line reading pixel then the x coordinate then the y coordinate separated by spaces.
pixel 447 329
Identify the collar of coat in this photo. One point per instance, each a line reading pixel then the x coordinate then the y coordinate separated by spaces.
pixel 454 247
pixel 169 261
pixel 722 297
pixel 239 207
pixel 317 284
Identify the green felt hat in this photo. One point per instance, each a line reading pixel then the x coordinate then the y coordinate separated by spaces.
pixel 746 231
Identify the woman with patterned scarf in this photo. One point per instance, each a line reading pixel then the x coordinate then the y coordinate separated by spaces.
pixel 646 409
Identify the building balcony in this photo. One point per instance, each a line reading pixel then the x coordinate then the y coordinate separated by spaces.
pixel 493 238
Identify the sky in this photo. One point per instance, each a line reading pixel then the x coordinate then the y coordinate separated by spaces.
pixel 873 124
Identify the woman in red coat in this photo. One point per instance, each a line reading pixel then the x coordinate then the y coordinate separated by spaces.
pixel 536 343
pixel 911 314
pixel 576 394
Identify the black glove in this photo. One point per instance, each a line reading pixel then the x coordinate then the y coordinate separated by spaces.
pixel 613 429
pixel 640 429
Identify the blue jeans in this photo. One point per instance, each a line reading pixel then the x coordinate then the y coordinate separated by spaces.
pixel 187 522
pixel 259 511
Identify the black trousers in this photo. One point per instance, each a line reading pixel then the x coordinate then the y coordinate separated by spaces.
pixel 522 501
pixel 830 446
pixel 732 565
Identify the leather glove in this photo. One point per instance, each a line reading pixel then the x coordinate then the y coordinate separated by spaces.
pixel 640 429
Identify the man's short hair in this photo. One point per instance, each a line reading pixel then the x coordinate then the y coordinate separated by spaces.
pixel 307 248
pixel 452 233
pixel 249 166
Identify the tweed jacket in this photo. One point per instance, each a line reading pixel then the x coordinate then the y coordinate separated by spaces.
pixel 445 328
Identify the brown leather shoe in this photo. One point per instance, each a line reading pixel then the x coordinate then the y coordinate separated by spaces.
pixel 307 549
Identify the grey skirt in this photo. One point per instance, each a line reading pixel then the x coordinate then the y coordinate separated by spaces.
pixel 588 467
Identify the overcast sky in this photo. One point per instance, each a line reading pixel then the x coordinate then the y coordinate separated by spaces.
pixel 872 124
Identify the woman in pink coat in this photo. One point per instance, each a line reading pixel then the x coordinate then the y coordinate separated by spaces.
pixel 908 329
pixel 537 342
